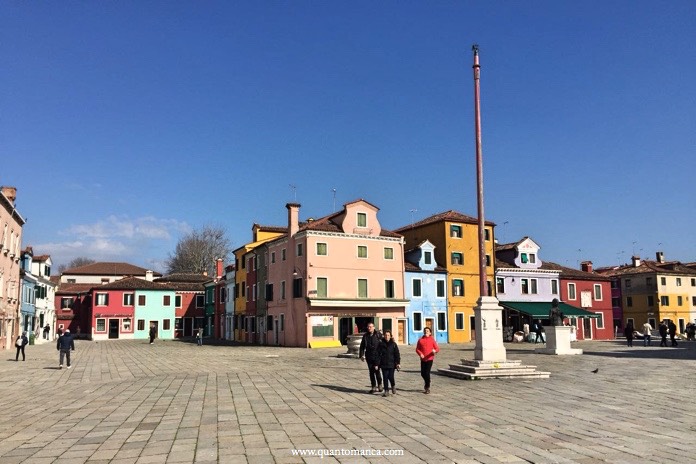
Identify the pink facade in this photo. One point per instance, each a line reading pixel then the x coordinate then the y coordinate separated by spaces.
pixel 10 245
pixel 332 275
pixel 596 329
pixel 115 319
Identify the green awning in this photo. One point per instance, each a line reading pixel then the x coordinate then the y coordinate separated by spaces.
pixel 540 310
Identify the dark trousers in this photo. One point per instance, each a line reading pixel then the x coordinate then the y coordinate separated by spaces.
pixel 629 341
pixel 425 372
pixel 375 376
pixel 674 340
pixel 66 354
pixel 539 334
pixel 388 374
pixel 664 340
pixel 152 338
pixel 20 348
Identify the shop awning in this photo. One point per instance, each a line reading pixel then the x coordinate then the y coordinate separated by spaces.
pixel 540 310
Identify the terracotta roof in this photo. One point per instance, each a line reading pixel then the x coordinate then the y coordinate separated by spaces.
pixel 450 216
pixel 570 273
pixel 186 286
pixel 359 200
pixel 329 224
pixel 183 277
pixel 133 283
pixel 111 269
pixel 510 246
pixel 40 258
pixel 279 229
pixel 71 289
pixel 409 266
pixel 645 267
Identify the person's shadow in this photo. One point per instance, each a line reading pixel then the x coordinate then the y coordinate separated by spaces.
pixel 341 388
pixel 53 368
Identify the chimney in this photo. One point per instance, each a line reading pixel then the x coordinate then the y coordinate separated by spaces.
pixel 660 256
pixel 636 260
pixel 293 217
pixel 10 193
pixel 149 275
pixel 218 268
pixel 586 266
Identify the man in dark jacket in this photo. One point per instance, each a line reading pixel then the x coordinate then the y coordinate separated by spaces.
pixel 663 333
pixel 153 334
pixel 368 352
pixel 672 332
pixel 65 345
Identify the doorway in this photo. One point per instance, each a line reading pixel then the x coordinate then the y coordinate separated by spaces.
pixel 188 327
pixel 345 328
pixel 113 328
pixel 586 328
pixel 430 322
pixel 275 332
pixel 472 327
pixel 401 336
pixel 155 324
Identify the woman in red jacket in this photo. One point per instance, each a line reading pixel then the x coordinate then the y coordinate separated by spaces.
pixel 426 349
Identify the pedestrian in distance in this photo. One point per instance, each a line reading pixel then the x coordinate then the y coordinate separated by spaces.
pixel 647 332
pixel 389 360
pixel 368 353
pixel 20 343
pixel 539 331
pixel 199 337
pixel 672 332
pixel 426 349
pixel 65 345
pixel 628 332
pixel 663 333
pixel 46 331
pixel 153 333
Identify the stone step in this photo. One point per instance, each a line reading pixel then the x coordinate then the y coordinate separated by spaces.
pixel 493 375
pixel 491 364
pixel 477 370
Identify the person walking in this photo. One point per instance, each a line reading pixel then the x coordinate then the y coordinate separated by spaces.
pixel 539 331
pixel 426 349
pixel 46 331
pixel 628 332
pixel 199 337
pixel 65 345
pixel 368 353
pixel 663 333
pixel 647 332
pixel 20 343
pixel 389 360
pixel 672 332
pixel 153 333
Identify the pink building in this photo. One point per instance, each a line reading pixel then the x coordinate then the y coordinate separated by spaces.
pixel 11 223
pixel 330 277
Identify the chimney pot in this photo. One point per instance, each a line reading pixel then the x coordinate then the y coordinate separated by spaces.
pixel 10 193
pixel 636 260
pixel 149 276
pixel 293 218
pixel 660 256
pixel 586 266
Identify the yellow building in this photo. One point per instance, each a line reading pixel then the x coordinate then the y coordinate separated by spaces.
pixel 455 237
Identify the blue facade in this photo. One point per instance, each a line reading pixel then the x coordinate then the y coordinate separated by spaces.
pixel 27 307
pixel 425 287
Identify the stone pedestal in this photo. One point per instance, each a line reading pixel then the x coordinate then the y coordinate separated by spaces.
pixel 557 341
pixel 489 330
pixel 353 345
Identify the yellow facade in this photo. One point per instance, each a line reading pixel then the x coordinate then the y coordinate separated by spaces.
pixel 465 242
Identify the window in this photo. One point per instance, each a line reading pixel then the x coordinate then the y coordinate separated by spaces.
pixel 523 258
pixel 362 288
pixel 598 292
pixel 651 300
pixel 441 321
pixel 678 281
pixel 663 280
pixel 534 289
pixel 455 231
pixel 269 294
pixel 648 281
pixel 273 257
pixel 388 289
pixel 388 253
pixel 416 288
pixel 282 322
pixel 141 324
pixel 571 291
pixel 664 300
pixel 362 251
pixel 628 283
pixel 629 301
pixel 166 324
pixel 253 292
pixel 680 300
pixel 486 234
pixel 500 285
pixel 66 302
pixel 554 287
pixel 101 325
pixel 200 301
pixel 362 219
pixel 693 282
pixel 141 300
pixel 282 254
pixel 457 258
pixel 282 290
pixel 177 301
pixel 614 283
pixel 102 299
pixel 166 300
pixel 600 320
pixel 488 260
pixel 615 302
pixel 440 288
pixel 386 324
pixel 458 321
pixel 524 286
pixel 322 249
pixel 127 325
pixel 128 299
pixel 428 257
pixel 693 300
pixel 417 322
pixel 297 288
pixel 299 249
pixel 457 287
pixel 322 287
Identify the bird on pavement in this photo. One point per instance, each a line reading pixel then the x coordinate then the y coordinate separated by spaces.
pixel 595 371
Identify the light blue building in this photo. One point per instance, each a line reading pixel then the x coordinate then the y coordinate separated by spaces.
pixel 27 307
pixel 425 287
pixel 154 308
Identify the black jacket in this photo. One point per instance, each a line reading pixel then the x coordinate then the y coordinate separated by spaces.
pixel 663 330
pixel 368 347
pixel 65 342
pixel 389 355
pixel 672 328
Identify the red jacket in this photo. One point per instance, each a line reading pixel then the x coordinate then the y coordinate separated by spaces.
pixel 425 347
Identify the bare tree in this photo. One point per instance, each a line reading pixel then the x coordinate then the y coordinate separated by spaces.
pixel 76 262
pixel 197 251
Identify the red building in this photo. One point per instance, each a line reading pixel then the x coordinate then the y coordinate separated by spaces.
pixel 591 292
pixel 73 305
pixel 190 302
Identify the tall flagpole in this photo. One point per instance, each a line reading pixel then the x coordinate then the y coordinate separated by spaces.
pixel 479 174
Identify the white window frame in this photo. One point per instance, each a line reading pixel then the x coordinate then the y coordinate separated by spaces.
pixel 554 283
pixel 413 286
pixel 444 288
pixel 462 287
pixel 522 285
pixel 326 249
pixel 597 291
pixel 461 262
pixel 326 279
pixel 600 320
pixel 393 288
pixel 366 252
pixel 96 327
pixel 367 288
pixel 132 297
pixel 574 295
pixel 437 320
pixel 385 253
pixel 533 286
pixel 96 299
pixel 358 215
pixel 679 282
pixel 454 227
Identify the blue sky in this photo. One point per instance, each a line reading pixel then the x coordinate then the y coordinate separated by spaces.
pixel 125 124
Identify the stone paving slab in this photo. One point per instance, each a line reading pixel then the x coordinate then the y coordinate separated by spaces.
pixel 176 402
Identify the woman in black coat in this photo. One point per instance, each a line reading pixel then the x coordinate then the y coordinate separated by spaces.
pixel 628 332
pixel 389 359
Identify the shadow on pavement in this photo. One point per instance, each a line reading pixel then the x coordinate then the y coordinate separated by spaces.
pixel 53 368
pixel 342 389
pixel 676 352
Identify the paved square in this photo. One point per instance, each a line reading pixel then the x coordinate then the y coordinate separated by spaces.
pixel 131 402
